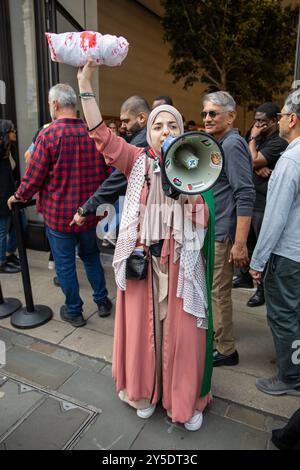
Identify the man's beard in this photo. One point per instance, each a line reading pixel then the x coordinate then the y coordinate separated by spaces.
pixel 134 130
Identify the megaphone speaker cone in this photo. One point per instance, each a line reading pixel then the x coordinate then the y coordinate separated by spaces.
pixel 184 156
pixel 192 163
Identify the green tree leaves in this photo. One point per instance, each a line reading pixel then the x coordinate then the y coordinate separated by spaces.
pixel 244 46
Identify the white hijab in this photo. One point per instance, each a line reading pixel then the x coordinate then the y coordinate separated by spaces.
pixel 159 109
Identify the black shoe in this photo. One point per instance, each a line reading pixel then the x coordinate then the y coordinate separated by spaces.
pixel 281 441
pixel 222 360
pixel 56 281
pixel 257 299
pixel 9 268
pixel 243 280
pixel 289 436
pixel 13 259
pixel 75 320
pixel 104 307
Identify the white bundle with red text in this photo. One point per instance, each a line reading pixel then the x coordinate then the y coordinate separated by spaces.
pixel 75 48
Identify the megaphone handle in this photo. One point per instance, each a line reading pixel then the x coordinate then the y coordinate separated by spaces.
pixel 192 198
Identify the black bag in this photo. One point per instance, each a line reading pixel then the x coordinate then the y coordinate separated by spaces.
pixel 156 249
pixel 137 265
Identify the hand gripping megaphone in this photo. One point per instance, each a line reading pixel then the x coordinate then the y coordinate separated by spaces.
pixel 191 163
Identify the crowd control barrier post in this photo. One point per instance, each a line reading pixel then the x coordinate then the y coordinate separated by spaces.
pixel 32 315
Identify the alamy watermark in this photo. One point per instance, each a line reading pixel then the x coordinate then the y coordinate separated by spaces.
pixel 160 217
pixel 2 92
pixel 296 354
pixel 2 354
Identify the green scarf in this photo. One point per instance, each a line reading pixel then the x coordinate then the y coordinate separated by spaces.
pixel 209 254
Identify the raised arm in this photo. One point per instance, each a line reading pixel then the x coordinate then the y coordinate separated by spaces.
pixel 89 105
pixel 116 151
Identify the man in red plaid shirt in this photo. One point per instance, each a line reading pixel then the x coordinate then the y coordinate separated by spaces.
pixel 66 169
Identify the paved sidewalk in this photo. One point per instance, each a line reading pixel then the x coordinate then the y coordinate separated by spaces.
pixel 73 365
pixel 52 398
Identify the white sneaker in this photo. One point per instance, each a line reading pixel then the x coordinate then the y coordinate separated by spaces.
pixel 146 412
pixel 195 422
pixel 51 265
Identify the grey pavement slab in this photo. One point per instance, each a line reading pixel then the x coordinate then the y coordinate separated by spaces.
pixel 217 433
pixel 107 370
pixel 246 416
pixel 49 427
pixel 65 355
pixel 90 342
pixel 115 429
pixel 88 363
pixel 274 423
pixel 54 331
pixel 102 325
pixel 6 336
pixel 15 403
pixel 236 386
pixel 90 387
pixel 255 345
pixel 38 368
pixel 218 406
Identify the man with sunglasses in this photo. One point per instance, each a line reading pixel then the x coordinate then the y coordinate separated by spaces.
pixel 234 198
pixel 265 146
pixel 278 248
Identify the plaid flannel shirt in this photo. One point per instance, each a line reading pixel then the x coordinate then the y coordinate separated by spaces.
pixel 65 168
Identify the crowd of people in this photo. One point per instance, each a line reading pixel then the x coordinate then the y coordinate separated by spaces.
pixel 173 320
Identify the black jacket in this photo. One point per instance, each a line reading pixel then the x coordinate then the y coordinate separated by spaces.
pixel 7 185
pixel 116 184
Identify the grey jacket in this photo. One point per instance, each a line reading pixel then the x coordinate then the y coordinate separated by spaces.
pixel 280 230
pixel 234 191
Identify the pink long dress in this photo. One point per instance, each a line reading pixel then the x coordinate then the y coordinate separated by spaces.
pixel 183 348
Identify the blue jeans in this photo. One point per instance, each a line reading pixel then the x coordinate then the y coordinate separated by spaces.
pixel 63 246
pixel 8 242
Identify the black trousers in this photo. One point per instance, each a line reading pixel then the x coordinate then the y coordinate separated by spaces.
pixel 282 294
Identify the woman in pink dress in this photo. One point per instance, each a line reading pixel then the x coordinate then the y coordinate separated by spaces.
pixel 163 327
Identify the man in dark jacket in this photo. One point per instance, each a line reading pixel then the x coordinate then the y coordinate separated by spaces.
pixel 134 116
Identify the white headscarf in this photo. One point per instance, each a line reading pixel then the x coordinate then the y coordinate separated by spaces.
pixel 160 109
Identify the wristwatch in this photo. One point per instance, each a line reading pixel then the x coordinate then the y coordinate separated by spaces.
pixel 251 138
pixel 81 212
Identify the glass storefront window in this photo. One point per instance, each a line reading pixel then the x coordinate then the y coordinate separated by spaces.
pixel 25 77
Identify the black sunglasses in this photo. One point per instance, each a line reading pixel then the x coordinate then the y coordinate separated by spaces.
pixel 211 114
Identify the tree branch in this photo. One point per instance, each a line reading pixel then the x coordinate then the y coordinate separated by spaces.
pixel 187 16
pixel 213 80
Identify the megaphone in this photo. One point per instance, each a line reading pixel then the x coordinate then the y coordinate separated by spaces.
pixel 192 163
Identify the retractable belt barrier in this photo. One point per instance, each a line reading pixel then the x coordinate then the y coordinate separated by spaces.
pixel 32 315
